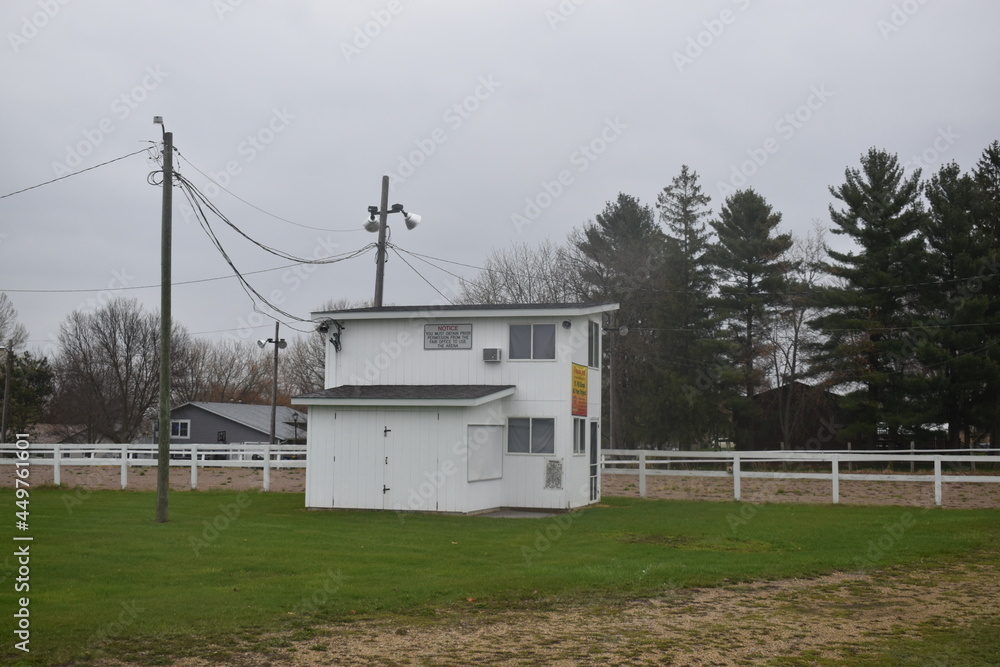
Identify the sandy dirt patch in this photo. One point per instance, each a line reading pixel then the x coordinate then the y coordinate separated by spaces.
pixel 841 616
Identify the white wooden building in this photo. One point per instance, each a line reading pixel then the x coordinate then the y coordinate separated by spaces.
pixel 457 408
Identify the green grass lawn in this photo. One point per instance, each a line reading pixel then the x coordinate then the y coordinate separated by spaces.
pixel 106 580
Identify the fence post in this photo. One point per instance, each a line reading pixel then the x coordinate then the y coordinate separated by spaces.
pixel 736 476
pixel 124 466
pixel 267 467
pixel 850 464
pixel 913 451
pixel 835 474
pixel 642 473
pixel 194 467
pixel 56 455
pixel 937 480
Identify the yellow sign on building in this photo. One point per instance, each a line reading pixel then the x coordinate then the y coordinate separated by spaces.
pixel 579 390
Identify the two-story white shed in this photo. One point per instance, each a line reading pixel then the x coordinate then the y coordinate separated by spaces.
pixel 457 408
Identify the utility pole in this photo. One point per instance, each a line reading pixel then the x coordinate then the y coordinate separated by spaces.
pixel 274 382
pixel 166 239
pixel 383 214
pixel 6 388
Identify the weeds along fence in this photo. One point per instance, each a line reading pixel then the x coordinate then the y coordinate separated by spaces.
pixel 264 456
pixel 931 466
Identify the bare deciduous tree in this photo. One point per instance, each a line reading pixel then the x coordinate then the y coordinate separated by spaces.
pixel 523 274
pixel 11 331
pixel 224 371
pixel 107 369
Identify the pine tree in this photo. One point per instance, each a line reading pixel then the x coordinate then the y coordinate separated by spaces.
pixel 876 301
pixel 687 353
pixel 617 259
pixel 987 178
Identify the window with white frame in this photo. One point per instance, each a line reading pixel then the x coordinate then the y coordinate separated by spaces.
pixel 532 341
pixel 180 428
pixel 594 345
pixel 579 436
pixel 531 435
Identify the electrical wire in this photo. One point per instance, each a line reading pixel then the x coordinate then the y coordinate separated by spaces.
pixel 253 206
pixel 199 200
pixel 138 287
pixel 75 173
pixel 412 268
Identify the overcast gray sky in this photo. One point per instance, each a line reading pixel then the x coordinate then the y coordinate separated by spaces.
pixel 499 122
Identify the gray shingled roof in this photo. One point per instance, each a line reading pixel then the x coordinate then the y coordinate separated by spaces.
pixel 258 417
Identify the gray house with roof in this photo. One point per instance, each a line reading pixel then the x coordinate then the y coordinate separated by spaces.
pixel 201 422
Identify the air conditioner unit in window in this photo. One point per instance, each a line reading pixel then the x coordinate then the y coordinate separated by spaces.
pixel 491 354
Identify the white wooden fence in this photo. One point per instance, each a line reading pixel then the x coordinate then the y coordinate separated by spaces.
pixel 732 464
pixel 643 462
pixel 193 456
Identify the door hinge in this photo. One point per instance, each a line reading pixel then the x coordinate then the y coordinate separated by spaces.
pixel 386 432
pixel 385 489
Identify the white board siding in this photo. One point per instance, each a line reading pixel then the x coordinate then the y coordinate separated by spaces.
pixel 427 446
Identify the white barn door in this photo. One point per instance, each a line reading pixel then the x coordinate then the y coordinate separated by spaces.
pixel 411 479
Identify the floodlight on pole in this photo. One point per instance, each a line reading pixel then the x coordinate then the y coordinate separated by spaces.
pixel 373 224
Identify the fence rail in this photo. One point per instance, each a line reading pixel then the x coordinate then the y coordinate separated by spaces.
pixel 661 463
pixel 645 463
pixel 194 456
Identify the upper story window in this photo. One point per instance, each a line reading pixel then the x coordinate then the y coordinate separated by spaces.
pixel 594 345
pixel 532 341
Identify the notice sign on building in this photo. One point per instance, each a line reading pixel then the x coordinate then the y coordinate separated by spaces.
pixel 447 336
pixel 579 390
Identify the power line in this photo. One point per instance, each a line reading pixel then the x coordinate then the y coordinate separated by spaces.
pixel 75 173
pixel 421 275
pixel 196 199
pixel 138 287
pixel 253 206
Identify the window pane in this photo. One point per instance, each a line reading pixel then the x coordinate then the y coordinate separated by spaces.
pixel 518 438
pixel 520 341
pixel 579 436
pixel 594 356
pixel 543 436
pixel 544 342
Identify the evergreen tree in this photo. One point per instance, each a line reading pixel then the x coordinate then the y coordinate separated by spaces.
pixel 875 302
pixel 987 178
pixel 686 388
pixel 617 259
pixel 30 387
pixel 749 259
pixel 951 334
